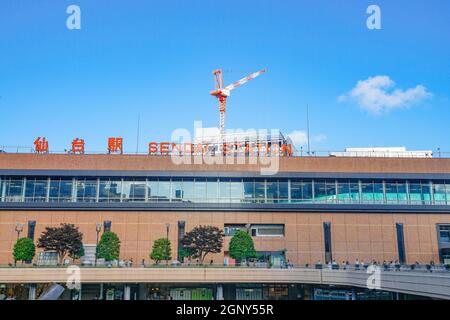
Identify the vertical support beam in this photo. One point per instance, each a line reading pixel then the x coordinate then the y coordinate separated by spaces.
pixel 431 193
pixel 121 189
pixel 400 242
pixel 265 190
pixel 97 193
pixel 32 291
pixel 100 296
pixel 126 292
pixel 47 195
pixel 146 190
pixel 2 189
pixel 219 292
pixel 170 189
pixel 142 295
pixel 327 242
pixel 408 199
pixel 289 190
pixel 336 185
pixel 353 294
pixel 181 230
pixel 24 184
pixel 74 190
pixel 360 191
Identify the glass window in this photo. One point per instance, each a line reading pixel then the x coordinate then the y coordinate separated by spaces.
pixel 367 192
pixel 391 192
pixel 200 190
pixel 447 188
pixel 324 191
pixel 188 189
pixel 266 230
pixel 402 193
pixel 60 190
pixel 348 191
pixel 36 189
pixel 212 190
pixel 230 229
pixel 419 192
pixel 272 191
pixel 111 190
pixel 163 189
pixel 444 233
pixel 301 191
pixel 426 192
pixel 439 193
pixel 132 190
pixel 236 190
pixel 260 191
pixel 307 190
pixel 13 188
pixel 152 186
pixel 283 191
pixel 224 190
pixel 177 190
pixel 249 190
pixel 378 193
pixel 138 190
pixel 86 190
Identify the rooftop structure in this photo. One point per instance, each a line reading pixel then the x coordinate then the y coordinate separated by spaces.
pixel 389 152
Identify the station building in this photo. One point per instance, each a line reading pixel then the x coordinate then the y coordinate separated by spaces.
pixel 312 209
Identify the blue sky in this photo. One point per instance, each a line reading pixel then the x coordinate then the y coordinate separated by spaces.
pixel 155 58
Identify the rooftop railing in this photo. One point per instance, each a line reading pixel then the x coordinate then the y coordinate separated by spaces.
pixel 438 153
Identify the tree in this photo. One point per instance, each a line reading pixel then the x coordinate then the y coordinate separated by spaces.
pixel 184 252
pixel 77 255
pixel 241 246
pixel 161 250
pixel 24 250
pixel 64 239
pixel 109 246
pixel 203 240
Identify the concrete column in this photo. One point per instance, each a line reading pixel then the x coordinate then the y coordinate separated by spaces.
pixel 142 291
pixel 100 296
pixel 126 292
pixel 219 292
pixel 32 292
pixel 353 294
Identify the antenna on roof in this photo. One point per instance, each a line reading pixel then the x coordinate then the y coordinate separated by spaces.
pixel 137 134
pixel 307 129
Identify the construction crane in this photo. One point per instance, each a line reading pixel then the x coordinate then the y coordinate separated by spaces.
pixel 222 93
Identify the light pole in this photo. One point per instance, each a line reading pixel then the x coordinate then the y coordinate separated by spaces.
pixel 19 229
pixel 167 243
pixel 98 228
pixel 247 227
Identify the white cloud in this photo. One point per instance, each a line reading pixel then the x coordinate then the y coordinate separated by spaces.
pixel 377 95
pixel 300 138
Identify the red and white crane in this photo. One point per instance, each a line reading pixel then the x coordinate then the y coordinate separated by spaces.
pixel 222 93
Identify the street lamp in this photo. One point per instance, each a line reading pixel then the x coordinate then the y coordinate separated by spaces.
pixel 247 227
pixel 98 228
pixel 19 229
pixel 167 243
